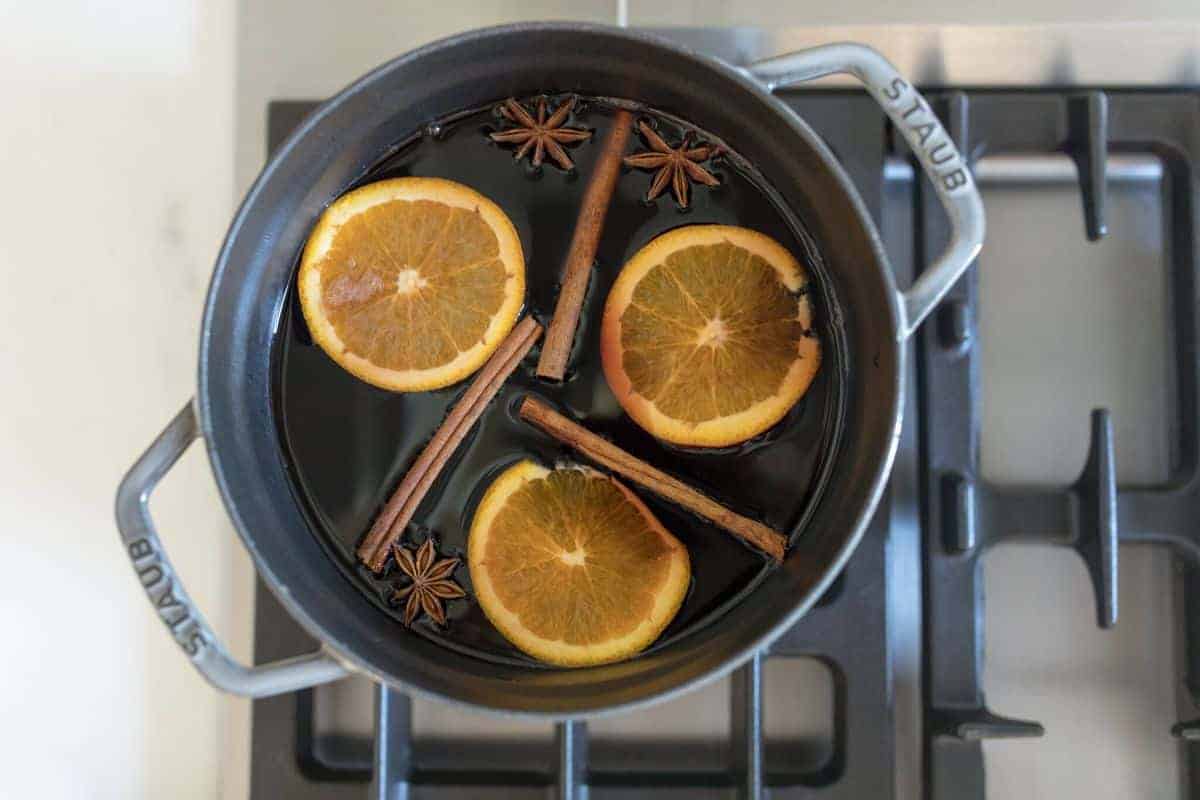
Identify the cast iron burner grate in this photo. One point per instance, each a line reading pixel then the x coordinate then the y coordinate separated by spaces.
pixel 963 516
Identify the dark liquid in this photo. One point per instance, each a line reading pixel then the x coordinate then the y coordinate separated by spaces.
pixel 349 444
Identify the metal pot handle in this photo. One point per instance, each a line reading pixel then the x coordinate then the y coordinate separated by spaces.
pixel 939 157
pixel 167 595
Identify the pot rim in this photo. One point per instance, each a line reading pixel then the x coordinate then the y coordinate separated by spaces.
pixel 796 125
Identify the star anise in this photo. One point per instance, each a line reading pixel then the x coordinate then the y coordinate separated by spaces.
pixel 430 582
pixel 541 135
pixel 677 166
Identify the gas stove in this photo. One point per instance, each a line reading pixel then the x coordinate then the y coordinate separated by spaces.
pixel 1056 414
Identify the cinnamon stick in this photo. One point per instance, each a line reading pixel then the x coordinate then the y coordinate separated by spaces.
pixel 609 455
pixel 582 254
pixel 399 510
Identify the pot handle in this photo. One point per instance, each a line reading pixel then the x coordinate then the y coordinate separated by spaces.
pixel 935 150
pixel 185 622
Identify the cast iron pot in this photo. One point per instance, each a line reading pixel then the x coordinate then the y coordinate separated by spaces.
pixel 233 412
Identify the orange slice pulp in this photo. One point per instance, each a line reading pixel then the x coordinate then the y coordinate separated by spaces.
pixel 572 567
pixel 411 283
pixel 707 337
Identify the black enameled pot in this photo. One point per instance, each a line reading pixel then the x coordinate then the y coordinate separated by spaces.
pixel 233 413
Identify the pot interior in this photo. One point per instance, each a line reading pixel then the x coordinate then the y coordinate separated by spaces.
pixel 304 473
pixel 349 444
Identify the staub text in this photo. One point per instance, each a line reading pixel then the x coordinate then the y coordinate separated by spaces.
pixel 157 583
pixel 931 139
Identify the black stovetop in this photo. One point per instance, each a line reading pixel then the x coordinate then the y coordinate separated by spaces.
pixel 937 506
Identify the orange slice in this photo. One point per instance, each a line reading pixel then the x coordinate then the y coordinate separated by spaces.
pixel 571 567
pixel 707 336
pixel 411 283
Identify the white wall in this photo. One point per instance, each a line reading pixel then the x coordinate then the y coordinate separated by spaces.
pixel 774 13
pixel 115 162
